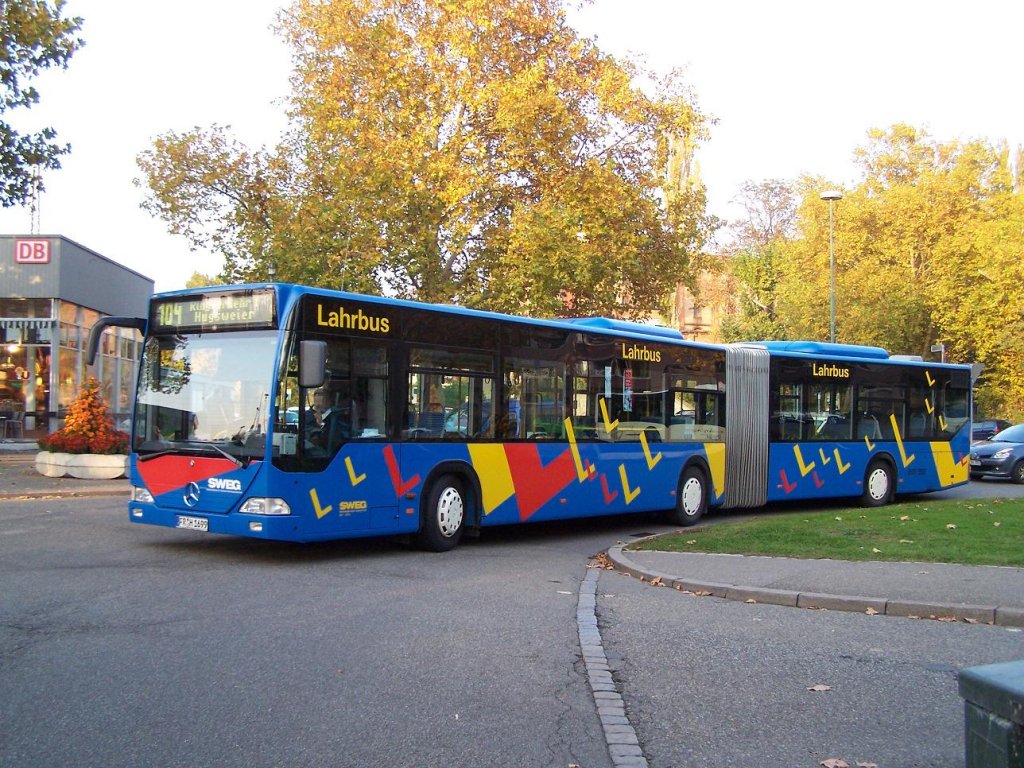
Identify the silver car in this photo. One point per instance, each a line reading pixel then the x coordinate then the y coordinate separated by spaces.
pixel 1001 457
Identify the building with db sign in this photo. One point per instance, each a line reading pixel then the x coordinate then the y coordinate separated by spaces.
pixel 52 291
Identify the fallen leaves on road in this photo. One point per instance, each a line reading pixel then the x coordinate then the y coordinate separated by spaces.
pixel 871 612
pixel 834 762
pixel 820 687
pixel 601 560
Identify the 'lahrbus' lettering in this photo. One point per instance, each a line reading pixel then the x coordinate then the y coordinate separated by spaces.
pixel 637 352
pixel 357 321
pixel 829 370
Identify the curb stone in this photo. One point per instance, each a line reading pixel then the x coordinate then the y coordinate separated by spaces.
pixel 619 735
pixel 981 614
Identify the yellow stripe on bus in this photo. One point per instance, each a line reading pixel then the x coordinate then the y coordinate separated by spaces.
pixel 949 470
pixel 491 465
pixel 716 461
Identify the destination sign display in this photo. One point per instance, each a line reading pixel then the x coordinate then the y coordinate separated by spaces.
pixel 214 311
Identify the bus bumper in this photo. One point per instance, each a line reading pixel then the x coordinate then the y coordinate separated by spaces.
pixel 273 527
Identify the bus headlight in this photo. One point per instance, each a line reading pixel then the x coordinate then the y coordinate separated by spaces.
pixel 265 506
pixel 141 494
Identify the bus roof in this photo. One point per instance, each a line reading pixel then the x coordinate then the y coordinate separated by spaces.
pixel 624 326
pixel 604 325
pixel 848 351
pixel 825 349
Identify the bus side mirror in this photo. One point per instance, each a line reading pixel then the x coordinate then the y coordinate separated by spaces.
pixel 96 333
pixel 312 363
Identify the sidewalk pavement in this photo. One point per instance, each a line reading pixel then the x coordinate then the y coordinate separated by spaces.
pixel 976 594
pixel 19 479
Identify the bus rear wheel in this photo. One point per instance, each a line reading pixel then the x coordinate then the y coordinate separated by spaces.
pixel 691 497
pixel 878 485
pixel 444 517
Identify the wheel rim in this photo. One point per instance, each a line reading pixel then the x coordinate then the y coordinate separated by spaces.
pixel 878 484
pixel 692 496
pixel 450 511
pixel 1018 472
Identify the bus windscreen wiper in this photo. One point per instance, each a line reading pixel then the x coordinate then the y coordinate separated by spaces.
pixel 195 445
pixel 234 459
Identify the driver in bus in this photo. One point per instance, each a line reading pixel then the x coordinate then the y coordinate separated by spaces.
pixel 334 422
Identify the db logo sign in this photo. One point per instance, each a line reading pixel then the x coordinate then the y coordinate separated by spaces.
pixel 31 251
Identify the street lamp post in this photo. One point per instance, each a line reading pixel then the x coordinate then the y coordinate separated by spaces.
pixel 831 195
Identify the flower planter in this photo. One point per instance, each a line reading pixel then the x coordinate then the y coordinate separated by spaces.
pixel 87 427
pixel 94 466
pixel 86 466
pixel 52 464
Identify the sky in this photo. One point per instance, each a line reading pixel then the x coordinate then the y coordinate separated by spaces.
pixel 793 87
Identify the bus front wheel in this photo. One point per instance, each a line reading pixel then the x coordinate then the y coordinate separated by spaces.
pixel 878 485
pixel 444 516
pixel 691 497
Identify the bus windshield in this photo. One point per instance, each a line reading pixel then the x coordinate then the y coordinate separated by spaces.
pixel 205 393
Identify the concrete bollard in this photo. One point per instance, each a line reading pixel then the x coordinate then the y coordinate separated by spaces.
pixel 993 697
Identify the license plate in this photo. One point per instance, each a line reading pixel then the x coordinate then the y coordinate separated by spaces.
pixel 975 463
pixel 193 523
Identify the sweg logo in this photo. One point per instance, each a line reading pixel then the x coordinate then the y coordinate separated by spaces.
pixel 346 506
pixel 223 484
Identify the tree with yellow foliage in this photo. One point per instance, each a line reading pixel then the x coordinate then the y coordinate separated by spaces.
pixel 928 249
pixel 477 151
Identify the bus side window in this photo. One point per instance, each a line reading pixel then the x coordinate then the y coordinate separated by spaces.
pixel 789 427
pixel 432 419
pixel 920 422
pixel 868 426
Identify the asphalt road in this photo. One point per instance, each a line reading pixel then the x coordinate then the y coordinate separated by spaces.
pixel 125 645
pixel 712 682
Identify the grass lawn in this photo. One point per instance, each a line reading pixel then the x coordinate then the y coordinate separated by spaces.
pixel 971 532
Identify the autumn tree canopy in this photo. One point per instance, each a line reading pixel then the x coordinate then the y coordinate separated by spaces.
pixel 33 36
pixel 928 249
pixel 748 288
pixel 477 151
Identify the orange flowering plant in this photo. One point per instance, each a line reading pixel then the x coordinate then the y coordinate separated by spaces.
pixel 88 427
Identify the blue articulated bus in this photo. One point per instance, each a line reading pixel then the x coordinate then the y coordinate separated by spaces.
pixel 303 414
